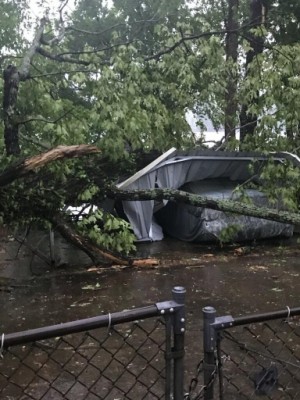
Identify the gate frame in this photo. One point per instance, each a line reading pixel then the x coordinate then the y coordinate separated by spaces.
pixel 173 312
pixel 213 326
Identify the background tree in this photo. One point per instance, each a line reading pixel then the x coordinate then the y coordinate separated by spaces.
pixel 255 37
pixel 231 49
pixel 107 82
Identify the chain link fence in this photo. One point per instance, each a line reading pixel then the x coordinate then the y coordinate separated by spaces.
pixel 129 355
pixel 129 362
pixel 139 354
pixel 262 360
pixel 252 357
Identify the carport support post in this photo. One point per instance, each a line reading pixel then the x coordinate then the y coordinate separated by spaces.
pixel 209 347
pixel 178 293
pixel 52 247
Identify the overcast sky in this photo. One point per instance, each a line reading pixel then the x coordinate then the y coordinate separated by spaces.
pixel 38 7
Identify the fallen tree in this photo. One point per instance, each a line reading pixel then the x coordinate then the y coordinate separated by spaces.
pixel 60 221
pixel 69 228
pixel 235 207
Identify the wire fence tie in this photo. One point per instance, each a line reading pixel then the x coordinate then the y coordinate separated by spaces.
pixel 109 325
pixel 288 316
pixel 226 358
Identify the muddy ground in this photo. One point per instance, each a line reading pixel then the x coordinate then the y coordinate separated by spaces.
pixel 235 279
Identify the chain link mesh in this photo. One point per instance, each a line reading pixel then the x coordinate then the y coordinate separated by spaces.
pixel 197 388
pixel 261 360
pixel 128 362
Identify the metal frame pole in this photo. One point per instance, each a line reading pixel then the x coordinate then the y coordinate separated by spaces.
pixel 168 357
pixel 178 293
pixel 209 347
pixel 52 247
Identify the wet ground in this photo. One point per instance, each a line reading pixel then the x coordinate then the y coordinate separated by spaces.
pixel 233 279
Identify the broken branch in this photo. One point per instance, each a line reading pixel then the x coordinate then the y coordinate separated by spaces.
pixel 25 167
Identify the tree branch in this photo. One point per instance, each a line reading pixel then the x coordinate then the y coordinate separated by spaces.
pixel 181 41
pixel 197 36
pixel 95 253
pixel 24 69
pixel 179 196
pixel 85 71
pixel 25 167
pixel 60 58
pixel 97 50
pixel 72 28
pixel 100 33
pixel 46 121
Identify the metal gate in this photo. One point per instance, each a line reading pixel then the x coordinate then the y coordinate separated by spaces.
pixel 133 354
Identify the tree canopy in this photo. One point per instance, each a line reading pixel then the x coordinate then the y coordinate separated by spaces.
pixel 96 86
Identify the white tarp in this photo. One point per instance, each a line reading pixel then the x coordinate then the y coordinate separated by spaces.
pixel 179 169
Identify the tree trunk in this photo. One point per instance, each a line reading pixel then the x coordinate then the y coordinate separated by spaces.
pixel 231 45
pixel 12 77
pixel 231 206
pixel 248 121
pixel 96 253
pixel 10 94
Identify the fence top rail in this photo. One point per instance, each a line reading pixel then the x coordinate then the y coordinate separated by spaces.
pixel 108 320
pixel 228 321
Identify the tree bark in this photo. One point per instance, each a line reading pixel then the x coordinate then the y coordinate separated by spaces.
pixel 248 121
pixel 27 166
pixel 96 253
pixel 231 46
pixel 234 207
pixel 11 79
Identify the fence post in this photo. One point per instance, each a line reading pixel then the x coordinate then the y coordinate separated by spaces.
pixel 52 247
pixel 209 347
pixel 178 293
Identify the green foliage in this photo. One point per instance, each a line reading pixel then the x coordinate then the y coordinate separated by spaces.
pixel 13 15
pixel 228 233
pixel 278 104
pixel 281 184
pixel 134 82
pixel 104 229
pixel 286 15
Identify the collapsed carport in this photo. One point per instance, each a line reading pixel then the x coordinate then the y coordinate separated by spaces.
pixel 205 172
